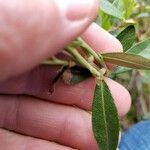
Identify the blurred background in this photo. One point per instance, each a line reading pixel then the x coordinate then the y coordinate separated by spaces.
pixel 115 16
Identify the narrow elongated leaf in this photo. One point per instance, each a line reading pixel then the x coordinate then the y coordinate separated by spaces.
pixel 105 120
pixel 127 60
pixel 142 48
pixel 127 37
pixel 110 9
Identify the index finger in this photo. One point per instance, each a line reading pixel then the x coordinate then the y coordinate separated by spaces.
pixel 100 40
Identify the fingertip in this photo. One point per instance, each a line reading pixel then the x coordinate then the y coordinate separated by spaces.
pixel 121 96
pixel 101 40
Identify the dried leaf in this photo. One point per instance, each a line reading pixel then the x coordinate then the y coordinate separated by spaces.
pixel 75 75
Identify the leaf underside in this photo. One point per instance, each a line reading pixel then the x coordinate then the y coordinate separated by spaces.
pixel 141 49
pixel 105 120
pixel 127 60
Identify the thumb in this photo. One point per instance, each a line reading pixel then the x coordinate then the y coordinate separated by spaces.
pixel 33 31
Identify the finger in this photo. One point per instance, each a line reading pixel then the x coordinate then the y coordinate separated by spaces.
pixel 32 32
pixel 12 141
pixel 101 40
pixel 121 96
pixel 38 83
pixel 63 124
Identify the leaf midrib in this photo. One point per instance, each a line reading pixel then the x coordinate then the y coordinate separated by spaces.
pixel 104 114
pixel 122 60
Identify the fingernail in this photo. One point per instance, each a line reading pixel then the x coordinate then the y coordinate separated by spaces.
pixel 76 9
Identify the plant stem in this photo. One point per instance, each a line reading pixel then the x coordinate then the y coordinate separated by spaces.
pixel 83 62
pixel 98 57
pixel 56 61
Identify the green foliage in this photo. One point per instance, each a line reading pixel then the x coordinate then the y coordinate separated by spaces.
pixel 112 13
pixel 125 6
pixel 110 9
pixel 127 37
pixel 105 118
pixel 134 23
pixel 141 48
pixel 137 13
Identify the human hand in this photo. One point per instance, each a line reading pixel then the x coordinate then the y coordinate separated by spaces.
pixel 29 34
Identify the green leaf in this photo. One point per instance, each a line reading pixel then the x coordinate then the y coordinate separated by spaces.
pixel 105 120
pixel 110 9
pixel 125 6
pixel 127 60
pixel 119 5
pixel 105 20
pixel 127 37
pixel 142 48
pixel 128 7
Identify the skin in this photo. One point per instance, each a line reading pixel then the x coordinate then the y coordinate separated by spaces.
pixel 30 118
